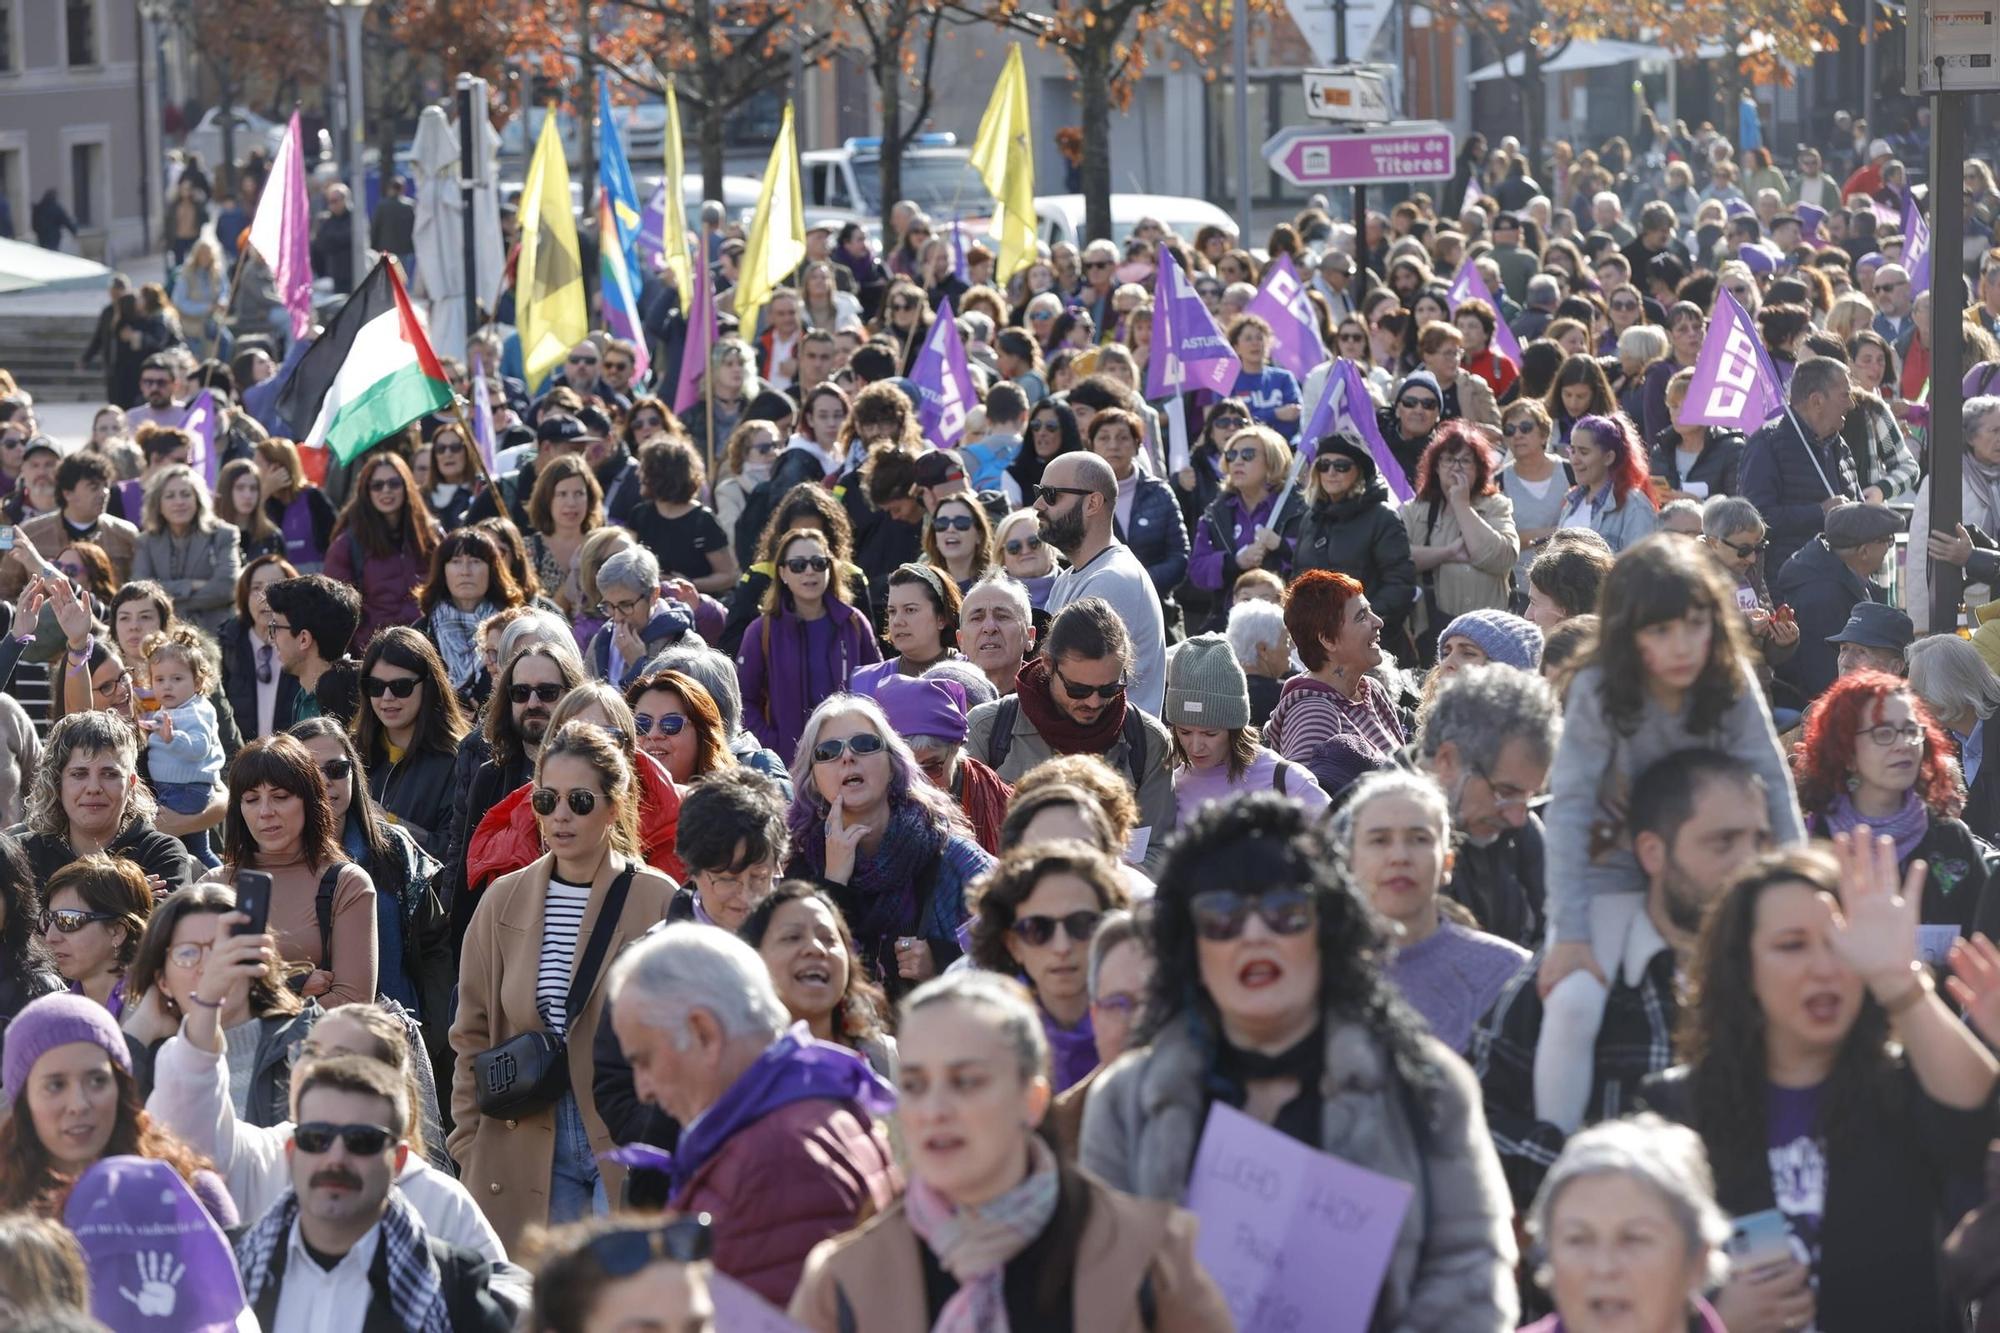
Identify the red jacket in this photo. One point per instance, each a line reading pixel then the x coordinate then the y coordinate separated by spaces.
pixel 807 1171
pixel 508 837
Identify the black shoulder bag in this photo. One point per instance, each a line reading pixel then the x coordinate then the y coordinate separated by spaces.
pixel 529 1072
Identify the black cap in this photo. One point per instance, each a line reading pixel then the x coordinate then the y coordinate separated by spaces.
pixel 770 405
pixel 935 467
pixel 559 430
pixel 595 423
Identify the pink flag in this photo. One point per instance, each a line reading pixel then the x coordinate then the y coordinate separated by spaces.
pixel 1282 303
pixel 700 340
pixel 1735 384
pixel 1469 286
pixel 282 230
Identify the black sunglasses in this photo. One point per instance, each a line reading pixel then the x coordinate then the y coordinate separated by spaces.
pixel 441 449
pixel 544 800
pixel 1525 427
pixel 1415 404
pixel 1023 545
pixel 317 1136
pixel 1076 691
pixel 1334 464
pixel 547 694
pixel 69 920
pixel 670 724
pixel 620 1254
pixel 1221 914
pixel 818 564
pixel 1244 455
pixel 1048 494
pixel 1040 930
pixel 952 523
pixel 860 744
pixel 337 770
pixel 375 687
pixel 1047 425
pixel 1744 552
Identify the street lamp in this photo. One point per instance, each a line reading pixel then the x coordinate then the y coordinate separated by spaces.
pixel 351 13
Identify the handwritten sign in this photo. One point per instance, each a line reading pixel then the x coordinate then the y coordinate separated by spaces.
pixel 741 1310
pixel 1297 1239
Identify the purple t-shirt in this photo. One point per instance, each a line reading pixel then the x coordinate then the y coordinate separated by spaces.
pixel 1798 1163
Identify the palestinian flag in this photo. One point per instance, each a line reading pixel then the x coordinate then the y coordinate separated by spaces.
pixel 370 374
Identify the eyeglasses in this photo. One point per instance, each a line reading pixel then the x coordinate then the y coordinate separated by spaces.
pixel 317 1136
pixel 860 745
pixel 69 920
pixel 1412 403
pixel 1883 288
pixel 118 687
pixel 1041 930
pixel 1243 455
pixel 1097 263
pixel 621 608
pixel 903 307
pixel 70 569
pixel 1886 734
pixel 818 564
pixel 547 694
pixel 1041 316
pixel 440 450
pixel 1047 494
pixel 337 770
pixel 1076 691
pixel 583 361
pixel 187 957
pixel 1355 337
pixel 1221 914
pixel 1505 795
pixel 1523 428
pixel 1229 420
pixel 670 724
pixel 767 446
pixel 1023 545
pixel 375 687
pixel 384 485
pixel 276 626
pixel 544 800
pixel 620 366
pixel 1046 426
pixel 1342 466
pixel 685 1240
pixel 952 523
pixel 1744 550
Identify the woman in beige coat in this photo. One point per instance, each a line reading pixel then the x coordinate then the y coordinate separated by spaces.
pixel 1055 1247
pixel 528 936
pixel 1462 535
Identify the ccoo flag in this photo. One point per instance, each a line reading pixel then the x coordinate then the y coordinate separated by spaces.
pixel 1916 246
pixel 777 233
pixel 1188 351
pixel 370 374
pixel 281 231
pixel 1282 303
pixel 944 384
pixel 1004 156
pixel 1469 286
pixel 548 273
pixel 1735 384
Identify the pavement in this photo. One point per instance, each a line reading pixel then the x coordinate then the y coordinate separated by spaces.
pixel 68 424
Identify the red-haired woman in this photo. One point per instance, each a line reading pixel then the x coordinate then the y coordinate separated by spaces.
pixel 382 545
pixel 1873 754
pixel 1610 497
pixel 1334 718
pixel 1461 528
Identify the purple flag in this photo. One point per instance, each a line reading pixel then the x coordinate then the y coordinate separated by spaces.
pixel 1282 303
pixel 482 415
pixel 944 384
pixel 198 420
pixel 1188 351
pixel 1757 259
pixel 652 227
pixel 958 265
pixel 281 231
pixel 1809 216
pixel 1346 409
pixel 1469 286
pixel 1916 247
pixel 700 340
pixel 1735 384
pixel 1738 208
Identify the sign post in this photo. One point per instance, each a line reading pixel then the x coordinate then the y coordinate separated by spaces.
pixel 1404 150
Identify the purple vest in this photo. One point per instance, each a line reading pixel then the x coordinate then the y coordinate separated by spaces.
pixel 300 546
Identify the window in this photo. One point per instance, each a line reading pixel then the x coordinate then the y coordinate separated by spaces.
pixel 80 24
pixel 7 57
pixel 84 159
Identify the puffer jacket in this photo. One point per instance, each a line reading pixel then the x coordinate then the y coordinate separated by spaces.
pixel 508 838
pixel 1156 535
pixel 1360 535
pixel 1227 528
pixel 387 585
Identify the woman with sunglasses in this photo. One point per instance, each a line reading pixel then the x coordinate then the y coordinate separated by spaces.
pixel 613 1274
pixel 415 966
pixel 94 912
pixel 526 939
pixel 1071 1253
pixel 803 938
pixel 409 731
pixel 1242 528
pixel 449 493
pixel 804 506
pixel 890 847
pixel 1271 999
pixel 807 642
pixel 958 541
pixel 382 545
pixel 1533 478
pixel 678 723
pixel 1025 557
pixel 906 319
pixel 88 798
pixel 1052 431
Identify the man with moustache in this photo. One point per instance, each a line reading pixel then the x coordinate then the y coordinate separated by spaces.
pixel 996 628
pixel 1697 816
pixel 1074 504
pixel 343 1252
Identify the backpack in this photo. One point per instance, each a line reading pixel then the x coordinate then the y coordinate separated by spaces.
pixel 1133 733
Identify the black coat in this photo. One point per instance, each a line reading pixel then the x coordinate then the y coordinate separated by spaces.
pixel 145 846
pixel 1715 467
pixel 417 792
pixel 1823 592
pixel 239 679
pixel 1363 537
pixel 1781 475
pixel 1982 802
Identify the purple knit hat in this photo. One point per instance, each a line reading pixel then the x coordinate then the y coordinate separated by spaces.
pixel 52 1021
pixel 1504 638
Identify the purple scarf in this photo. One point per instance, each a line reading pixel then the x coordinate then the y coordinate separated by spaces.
pixel 797 1067
pixel 887 888
pixel 1907 826
pixel 1072 1051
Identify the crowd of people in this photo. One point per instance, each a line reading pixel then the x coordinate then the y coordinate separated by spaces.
pixel 650 864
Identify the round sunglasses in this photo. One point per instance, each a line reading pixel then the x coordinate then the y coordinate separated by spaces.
pixel 581 802
pixel 860 744
pixel 669 724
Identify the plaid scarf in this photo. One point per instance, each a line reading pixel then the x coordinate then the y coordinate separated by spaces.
pixel 456 633
pixel 975 1245
pixel 415 1290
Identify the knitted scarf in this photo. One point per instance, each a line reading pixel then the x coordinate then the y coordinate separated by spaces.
pixel 1987 482
pixel 1907 826
pixel 1064 735
pixel 416 1291
pixel 974 1245
pixel 885 889
pixel 1072 1051
pixel 456 634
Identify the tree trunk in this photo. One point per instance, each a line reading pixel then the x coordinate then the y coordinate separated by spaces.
pixel 710 76
pixel 889 86
pixel 1093 74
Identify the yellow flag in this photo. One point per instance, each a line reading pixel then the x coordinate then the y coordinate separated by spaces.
pixel 1004 157
pixel 777 234
pixel 548 275
pixel 675 242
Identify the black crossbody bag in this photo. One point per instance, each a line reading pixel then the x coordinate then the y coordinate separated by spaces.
pixel 530 1072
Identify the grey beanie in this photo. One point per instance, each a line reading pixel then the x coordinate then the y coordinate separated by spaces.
pixel 1206 686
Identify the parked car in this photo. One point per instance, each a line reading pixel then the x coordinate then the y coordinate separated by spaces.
pixel 1059 217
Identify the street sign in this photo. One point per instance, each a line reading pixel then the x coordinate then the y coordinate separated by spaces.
pixel 1356 94
pixel 1403 150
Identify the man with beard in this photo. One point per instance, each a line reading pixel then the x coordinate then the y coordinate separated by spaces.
pixel 344 1252
pixel 1697 816
pixel 1075 504
pixel 538 671
pixel 158 378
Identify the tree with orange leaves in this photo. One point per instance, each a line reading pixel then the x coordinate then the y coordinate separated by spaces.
pixel 899 38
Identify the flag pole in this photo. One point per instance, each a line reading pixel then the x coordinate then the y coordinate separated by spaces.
pixel 708 395
pixel 471 440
